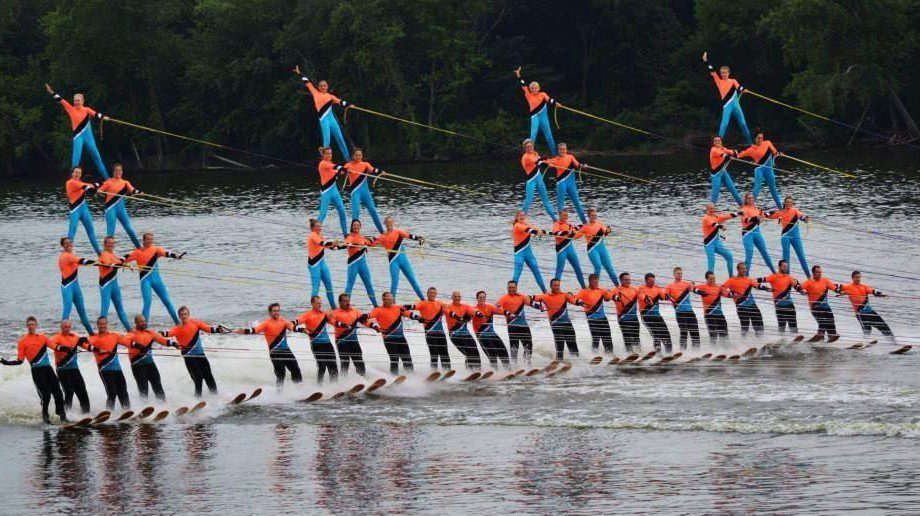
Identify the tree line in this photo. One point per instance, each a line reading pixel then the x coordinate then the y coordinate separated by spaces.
pixel 220 70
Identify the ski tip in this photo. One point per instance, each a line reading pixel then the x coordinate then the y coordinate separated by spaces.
pixel 565 368
pixel 487 374
pixel 433 377
pixel 399 379
pixel 677 355
pixel 902 350
pixel 255 394
pixel 104 414
pixel 239 398
pixel 551 374
pixel 448 374
pixel 707 356
pixel 128 414
pixel 614 361
pixel 198 406
pixel 749 352
pixel 510 376
pixel 356 389
pixel 161 415
pixel 718 358
pixel 519 372
pixel 101 419
pixel 145 413
pixel 532 372
pixel 798 338
pixel 596 360
pixel 316 396
pixel 473 377
pixel 181 411
pixel 338 395
pixel 553 363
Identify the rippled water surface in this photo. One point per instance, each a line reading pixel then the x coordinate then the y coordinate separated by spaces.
pixel 801 429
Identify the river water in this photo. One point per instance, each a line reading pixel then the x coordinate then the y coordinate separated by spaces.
pixel 803 429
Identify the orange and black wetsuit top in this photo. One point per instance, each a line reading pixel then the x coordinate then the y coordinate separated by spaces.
pixel 108 270
pixel 594 233
pixel 116 190
pixel 313 323
pixel 592 300
pixel 727 87
pixel 521 233
pixel 788 218
pixel 564 165
pixel 648 298
pixel 358 171
pixel 328 172
pixel 275 333
pixel 79 117
pixel 393 242
pixel 742 290
pixel 146 258
pixel 719 158
pixel 76 191
pixel 104 347
pixel 139 343
pixel 626 300
pixel 513 308
pixel 759 153
pixel 430 314
pixel 457 315
pixel 678 293
pixel 345 323
pixel 389 320
pixel 556 306
pixel 316 248
pixel 712 225
pixel 535 102
pixel 565 233
pixel 751 217
pixel 859 296
pixel 68 263
pixel 483 318
pixel 33 348
pixel 357 245
pixel 817 290
pixel 322 102
pixel 65 349
pixel 782 286
pixel 711 296
pixel 531 162
pixel 188 336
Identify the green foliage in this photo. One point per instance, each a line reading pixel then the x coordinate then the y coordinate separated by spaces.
pixel 221 70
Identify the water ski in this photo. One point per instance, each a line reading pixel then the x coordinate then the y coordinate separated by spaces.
pixel 239 398
pixel 749 352
pixel 735 357
pixel 358 387
pixel 433 377
pixel 510 376
pixel 553 363
pixel 128 414
pixel 648 356
pixel 145 413
pixel 614 361
pixel 551 367
pixel 551 374
pixel 102 416
pixel 632 357
pixel 378 383
pixel 718 358
pixel 902 350
pixel 596 360
pixel 566 367
pixel 316 396
pixel 77 424
pixel 399 379
pixel 519 372
pixel 473 376
pixel 833 338
pixel 447 374
pixel 198 406
pixel 255 394
pixel 486 375
pixel 181 411
pixel 160 416
pixel 816 338
pixel 338 395
pixel 798 338
pixel 532 372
